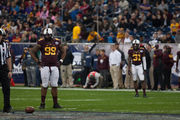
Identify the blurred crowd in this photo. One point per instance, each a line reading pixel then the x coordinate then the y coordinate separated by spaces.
pixel 110 21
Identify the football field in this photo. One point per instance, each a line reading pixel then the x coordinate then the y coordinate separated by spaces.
pixel 97 101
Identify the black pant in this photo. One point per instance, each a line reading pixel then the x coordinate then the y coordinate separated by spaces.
pixel 5 81
pixel 85 73
pixel 104 83
pixel 25 78
pixel 158 78
pixel 147 77
pixel 167 78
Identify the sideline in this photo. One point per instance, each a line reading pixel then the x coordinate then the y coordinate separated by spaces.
pixel 82 89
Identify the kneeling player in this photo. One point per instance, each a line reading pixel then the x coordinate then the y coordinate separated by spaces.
pixel 93 79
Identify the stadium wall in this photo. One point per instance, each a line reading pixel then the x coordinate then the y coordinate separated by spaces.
pixel 17 48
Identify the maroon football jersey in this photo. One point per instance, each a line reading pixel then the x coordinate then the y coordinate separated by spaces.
pixel 167 60
pixel 49 51
pixel 136 55
pixel 157 58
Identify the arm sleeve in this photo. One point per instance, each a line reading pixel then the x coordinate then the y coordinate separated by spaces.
pixel 87 81
pixel 144 63
pixel 97 81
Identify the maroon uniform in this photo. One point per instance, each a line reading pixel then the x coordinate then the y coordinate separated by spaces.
pixel 167 60
pixel 136 55
pixel 49 51
pixel 157 58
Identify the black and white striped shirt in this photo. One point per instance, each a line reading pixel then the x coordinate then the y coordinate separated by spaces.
pixel 4 53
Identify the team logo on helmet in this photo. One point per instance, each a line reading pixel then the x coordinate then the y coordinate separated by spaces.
pixel 135 44
pixel 48 31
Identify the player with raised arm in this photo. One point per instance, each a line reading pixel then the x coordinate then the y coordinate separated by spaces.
pixel 137 65
pixel 50 48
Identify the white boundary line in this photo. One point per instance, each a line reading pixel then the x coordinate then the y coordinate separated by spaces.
pixel 81 89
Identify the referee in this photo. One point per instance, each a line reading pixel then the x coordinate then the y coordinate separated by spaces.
pixel 5 71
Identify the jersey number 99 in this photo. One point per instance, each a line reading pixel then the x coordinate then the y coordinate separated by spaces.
pixel 50 50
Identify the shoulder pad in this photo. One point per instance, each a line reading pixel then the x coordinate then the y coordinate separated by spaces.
pixel 170 56
pixel 130 51
pixel 6 41
pixel 40 39
pixel 57 39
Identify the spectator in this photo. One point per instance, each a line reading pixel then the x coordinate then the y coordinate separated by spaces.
pixel 174 26
pixel 105 25
pixel 69 4
pixel 44 13
pixel 145 7
pixel 94 37
pixel 177 37
pixel 69 26
pixel 124 4
pixel 106 11
pixel 76 33
pixel 127 38
pixel 115 25
pixel 111 38
pixel 154 40
pixel 162 6
pixel 103 67
pixel 74 11
pixel 148 21
pixel 116 10
pixel 169 38
pixel 32 37
pixel 84 8
pixel 120 36
pixel 29 7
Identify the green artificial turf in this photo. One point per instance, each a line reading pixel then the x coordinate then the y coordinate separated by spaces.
pixel 98 101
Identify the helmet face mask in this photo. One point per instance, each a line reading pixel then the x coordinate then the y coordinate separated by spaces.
pixel 47 33
pixel 136 44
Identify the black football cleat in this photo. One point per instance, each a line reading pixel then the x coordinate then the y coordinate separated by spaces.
pixel 42 106
pixel 9 110
pixel 57 106
pixel 136 95
pixel 145 96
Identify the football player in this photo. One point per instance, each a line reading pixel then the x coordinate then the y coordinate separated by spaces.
pixel 50 48
pixel 137 65
pixel 177 64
